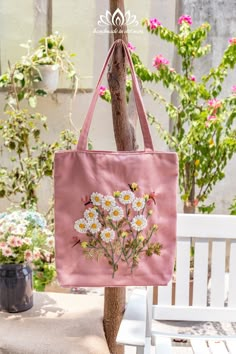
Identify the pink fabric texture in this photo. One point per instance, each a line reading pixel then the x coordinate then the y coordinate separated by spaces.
pixel 133 198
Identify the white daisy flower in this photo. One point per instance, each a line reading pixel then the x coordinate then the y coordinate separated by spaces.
pixel 139 222
pixel 126 197
pixel 138 204
pixel 94 226
pixel 107 235
pixel 50 241
pixel 96 198
pixel 7 251
pixel 116 213
pixel 81 226
pixel 108 202
pixel 90 214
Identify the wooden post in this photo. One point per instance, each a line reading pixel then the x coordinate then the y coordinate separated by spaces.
pixel 114 301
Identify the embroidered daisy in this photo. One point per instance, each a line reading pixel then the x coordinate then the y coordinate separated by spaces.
pixel 138 204
pixel 139 222
pixel 108 202
pixel 96 198
pixel 116 213
pixel 90 214
pixel 126 197
pixel 107 235
pixel 94 226
pixel 81 226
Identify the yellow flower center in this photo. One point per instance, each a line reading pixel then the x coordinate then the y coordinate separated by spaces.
pixel 139 204
pixel 107 235
pixel 91 215
pixel 139 222
pixel 82 226
pixel 107 202
pixel 97 199
pixel 94 226
pixel 115 212
pixel 126 197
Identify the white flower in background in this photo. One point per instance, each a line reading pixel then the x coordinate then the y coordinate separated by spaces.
pixel 27 240
pixel 11 241
pixel 116 213
pixel 47 232
pixel 19 230
pixel 50 241
pixel 7 251
pixel 2 244
pixel 139 222
pixel 96 198
pixel 36 254
pixel 94 226
pixel 126 197
pixel 81 226
pixel 138 204
pixel 90 214
pixel 108 202
pixel 107 235
pixel 28 255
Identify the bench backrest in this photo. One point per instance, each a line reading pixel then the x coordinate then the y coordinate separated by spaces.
pixel 214 298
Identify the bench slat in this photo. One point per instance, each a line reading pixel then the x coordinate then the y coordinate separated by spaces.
pixel 182 271
pixel 194 313
pixel 218 273
pixel 232 276
pixel 200 272
pixel 163 345
pixel 199 346
pixel 217 347
pixel 132 330
pixel 231 345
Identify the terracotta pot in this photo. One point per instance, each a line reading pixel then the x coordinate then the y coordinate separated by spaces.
pixel 16 287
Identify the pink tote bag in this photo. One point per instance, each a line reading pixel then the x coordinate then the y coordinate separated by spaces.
pixel 115 212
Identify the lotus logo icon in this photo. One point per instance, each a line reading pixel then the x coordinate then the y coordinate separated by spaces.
pixel 108 21
pixel 118 19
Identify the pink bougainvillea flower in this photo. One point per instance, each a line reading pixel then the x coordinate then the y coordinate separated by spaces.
pixel 185 18
pixel 233 89
pixel 102 90
pixel 154 23
pixel 172 70
pixel 214 103
pixel 193 78
pixel 232 40
pixel 195 202
pixel 131 47
pixel 159 61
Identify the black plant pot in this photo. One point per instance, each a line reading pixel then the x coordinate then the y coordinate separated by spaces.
pixel 16 287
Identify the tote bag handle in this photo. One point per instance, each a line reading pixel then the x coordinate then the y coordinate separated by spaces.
pixel 148 145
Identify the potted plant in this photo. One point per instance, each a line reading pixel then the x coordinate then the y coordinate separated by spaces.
pixel 26 245
pixel 37 72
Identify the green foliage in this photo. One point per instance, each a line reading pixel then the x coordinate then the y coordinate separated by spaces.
pixel 232 207
pixel 22 77
pixel 203 133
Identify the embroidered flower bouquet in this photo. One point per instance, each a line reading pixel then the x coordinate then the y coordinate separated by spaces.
pixel 118 228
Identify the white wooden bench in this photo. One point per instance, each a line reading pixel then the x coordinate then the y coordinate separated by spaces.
pixel 216 302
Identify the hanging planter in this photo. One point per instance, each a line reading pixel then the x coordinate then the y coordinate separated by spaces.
pixel 16 287
pixel 48 78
